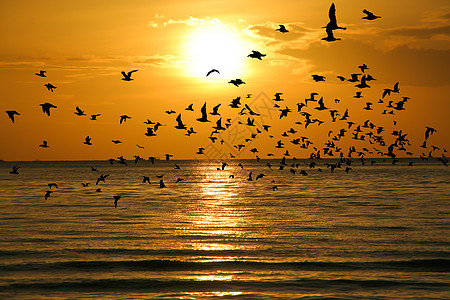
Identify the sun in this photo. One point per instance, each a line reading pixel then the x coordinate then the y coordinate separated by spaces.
pixel 215 47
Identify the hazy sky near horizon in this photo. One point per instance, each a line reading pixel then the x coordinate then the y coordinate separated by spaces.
pixel 84 45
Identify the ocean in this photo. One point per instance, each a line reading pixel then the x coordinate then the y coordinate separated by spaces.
pixel 379 231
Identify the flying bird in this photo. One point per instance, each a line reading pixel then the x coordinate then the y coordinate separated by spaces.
pixel 369 15
pixel 50 185
pixel 116 199
pixel 212 71
pixel 15 170
pixel 429 131
pixel 123 118
pixel 101 178
pixel 127 76
pixel 256 54
pixel 180 124
pixel 47 194
pixel 11 114
pixel 317 78
pixel 79 112
pixel 204 117
pixel 87 140
pixel 161 184
pixel 94 117
pixel 44 144
pixel 41 73
pixel 282 29
pixel 332 24
pixel 236 82
pixel 46 107
pixel 190 107
pixel 50 87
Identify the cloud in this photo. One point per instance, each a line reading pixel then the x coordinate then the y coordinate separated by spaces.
pixel 191 21
pixel 159 60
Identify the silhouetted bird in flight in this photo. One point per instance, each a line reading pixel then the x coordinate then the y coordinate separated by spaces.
pixel 149 132
pixel 79 112
pixel 116 142
pixel 282 29
pixel 204 117
pixel 44 144
pixel 50 185
pixel 116 199
pixel 146 179
pixel 123 118
pixel 369 16
pixel 180 124
pixel 190 107
pixel 161 184
pixel 50 87
pixel 212 71
pixel 11 114
pixel 47 194
pixel 256 54
pixel 168 156
pixel 429 131
pixel 200 151
pixel 15 170
pixel 94 169
pixel 363 67
pixel 215 111
pixel 94 117
pixel 332 24
pixel 41 73
pixel 87 140
pixel 363 83
pixel 236 82
pixel 317 78
pixel 127 76
pixel 46 107
pixel 101 178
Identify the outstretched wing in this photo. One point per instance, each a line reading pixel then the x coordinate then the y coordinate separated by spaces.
pixel 332 14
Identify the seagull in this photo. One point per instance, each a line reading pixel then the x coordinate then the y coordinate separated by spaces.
pixel 161 184
pixel 50 185
pixel 429 131
pixel 94 117
pixel 79 112
pixel 190 107
pixel 44 144
pixel 11 114
pixel 215 111
pixel 363 83
pixel 87 140
pixel 41 73
pixel 256 54
pixel 116 199
pixel 149 132
pixel 101 178
pixel 236 82
pixel 363 67
pixel 46 107
pixel 180 124
pixel 94 169
pixel 204 117
pixel 354 77
pixel 50 86
pixel 15 170
pixel 146 179
pixel 369 16
pixel 212 71
pixel 116 142
pixel 47 194
pixel 127 76
pixel 168 156
pixel 200 151
pixel 123 118
pixel 282 29
pixel 317 78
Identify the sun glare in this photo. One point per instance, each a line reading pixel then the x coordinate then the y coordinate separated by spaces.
pixel 217 48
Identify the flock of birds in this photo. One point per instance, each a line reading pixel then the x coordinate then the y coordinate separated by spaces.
pixel 367 132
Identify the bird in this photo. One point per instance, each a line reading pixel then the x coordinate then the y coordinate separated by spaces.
pixel 46 107
pixel 161 184
pixel 87 140
pixel 363 67
pixel 200 151
pixel 79 112
pixel 94 169
pixel 256 54
pixel 47 194
pixel 127 76
pixel 332 24
pixel 282 29
pixel 101 178
pixel 146 179
pixel 116 199
pixel 215 111
pixel 123 118
pixel 11 114
pixel 212 71
pixel 15 170
pixel 41 73
pixel 354 77
pixel 204 117
pixel 94 117
pixel 368 104
pixel 52 184
pixel 149 132
pixel 168 156
pixel 190 107
pixel 236 82
pixel 180 124
pixel 429 131
pixel 44 144
pixel 50 86
pixel 363 83
pixel 317 78
pixel 85 184
pixel 179 180
pixel 250 176
pixel 369 15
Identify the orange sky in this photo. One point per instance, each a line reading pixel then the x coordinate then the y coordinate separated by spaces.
pixel 84 45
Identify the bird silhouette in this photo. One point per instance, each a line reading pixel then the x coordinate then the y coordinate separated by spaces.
pixel 212 71
pixel 146 179
pixel 87 141
pixel 180 124
pixel 52 184
pixel 282 29
pixel 161 184
pixel 123 118
pixel 127 76
pixel 44 144
pixel 116 199
pixel 363 67
pixel 256 54
pixel 11 114
pixel 46 107
pixel 363 83
pixel 79 112
pixel 190 107
pixel 317 78
pixel 50 87
pixel 15 170
pixel 332 24
pixel 47 194
pixel 369 16
pixel 168 156
pixel 236 82
pixel 101 178
pixel 200 151
pixel 41 73
pixel 215 111
pixel 94 117
pixel 204 117
pixel 429 131
pixel 150 132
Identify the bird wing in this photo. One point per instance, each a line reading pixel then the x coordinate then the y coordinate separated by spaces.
pixel 79 110
pixel 332 15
